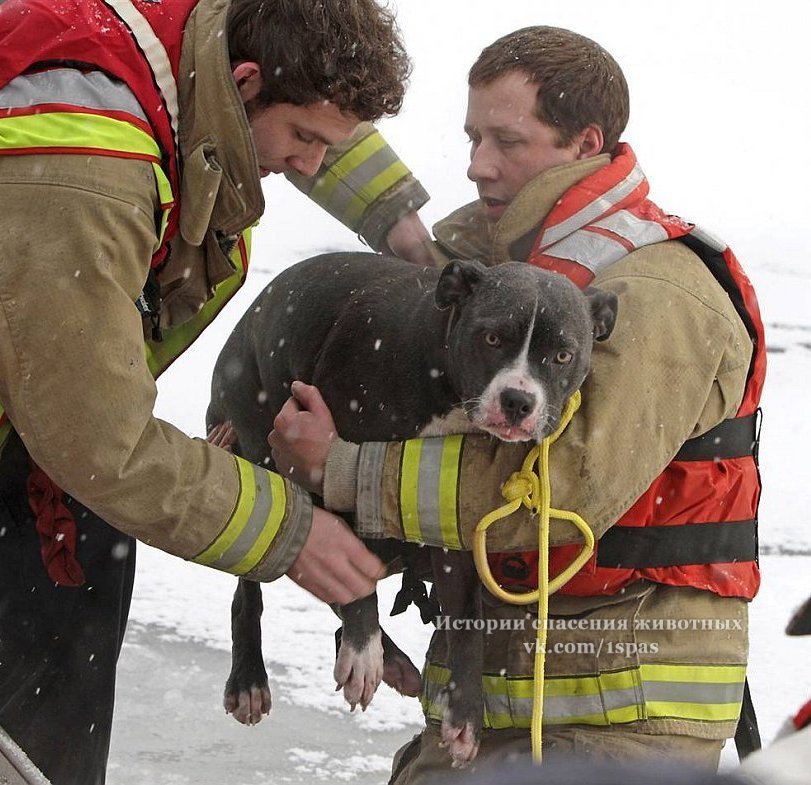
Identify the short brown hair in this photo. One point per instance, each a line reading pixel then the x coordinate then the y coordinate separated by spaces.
pixel 579 83
pixel 348 52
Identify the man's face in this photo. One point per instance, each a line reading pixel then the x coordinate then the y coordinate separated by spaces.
pixel 509 145
pixel 295 138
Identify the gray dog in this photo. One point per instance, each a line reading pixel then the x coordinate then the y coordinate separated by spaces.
pixel 399 352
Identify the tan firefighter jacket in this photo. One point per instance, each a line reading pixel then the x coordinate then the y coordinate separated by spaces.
pixel 79 231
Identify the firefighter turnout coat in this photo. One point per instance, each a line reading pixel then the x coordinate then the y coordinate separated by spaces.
pixel 125 148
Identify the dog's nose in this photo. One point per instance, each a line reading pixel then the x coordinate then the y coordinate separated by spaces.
pixel 517 405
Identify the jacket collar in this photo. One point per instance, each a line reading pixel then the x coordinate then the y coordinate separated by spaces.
pixel 468 234
pixel 216 145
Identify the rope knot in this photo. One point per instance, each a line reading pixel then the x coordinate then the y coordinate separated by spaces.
pixel 523 486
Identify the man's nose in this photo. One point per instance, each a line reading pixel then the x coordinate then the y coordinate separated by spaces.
pixel 308 164
pixel 482 164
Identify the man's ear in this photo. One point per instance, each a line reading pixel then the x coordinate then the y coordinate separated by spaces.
pixel 248 77
pixel 457 281
pixel 590 141
pixel 603 306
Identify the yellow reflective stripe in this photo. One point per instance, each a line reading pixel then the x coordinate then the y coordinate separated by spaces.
pixel 694 673
pixel 166 198
pixel 254 523
pixel 374 189
pixel 409 487
pixel 448 485
pixel 700 712
pixel 77 130
pixel 329 181
pixel 239 517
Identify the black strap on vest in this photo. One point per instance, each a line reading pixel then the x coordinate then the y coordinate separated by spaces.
pixel 638 547
pixel 734 438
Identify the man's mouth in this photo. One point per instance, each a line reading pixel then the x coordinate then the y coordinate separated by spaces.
pixel 493 208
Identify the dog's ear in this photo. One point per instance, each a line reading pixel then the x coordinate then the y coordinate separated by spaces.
pixel 603 307
pixel 457 281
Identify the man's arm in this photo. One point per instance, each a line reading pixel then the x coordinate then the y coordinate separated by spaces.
pixel 666 374
pixel 370 190
pixel 75 383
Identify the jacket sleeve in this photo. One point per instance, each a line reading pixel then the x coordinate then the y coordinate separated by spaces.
pixel 673 368
pixel 79 232
pixel 364 185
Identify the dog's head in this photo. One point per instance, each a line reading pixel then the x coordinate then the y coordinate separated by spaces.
pixel 520 343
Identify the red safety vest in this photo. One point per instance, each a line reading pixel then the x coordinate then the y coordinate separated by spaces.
pixel 107 36
pixel 696 525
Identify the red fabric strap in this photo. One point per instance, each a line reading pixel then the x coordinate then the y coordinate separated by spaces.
pixel 56 528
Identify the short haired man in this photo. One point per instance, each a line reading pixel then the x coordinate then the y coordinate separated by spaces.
pixel 647 644
pixel 133 136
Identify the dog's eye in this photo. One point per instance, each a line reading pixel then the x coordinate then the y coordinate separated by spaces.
pixel 491 339
pixel 563 357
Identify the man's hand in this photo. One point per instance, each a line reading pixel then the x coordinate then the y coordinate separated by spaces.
pixel 409 239
pixel 301 437
pixel 334 565
pixel 223 435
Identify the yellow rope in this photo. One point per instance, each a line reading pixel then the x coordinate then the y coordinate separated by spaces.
pixel 533 491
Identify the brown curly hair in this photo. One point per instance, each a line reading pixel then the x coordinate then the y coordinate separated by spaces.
pixel 348 52
pixel 579 83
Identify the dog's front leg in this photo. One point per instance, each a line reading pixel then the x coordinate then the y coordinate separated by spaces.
pixel 359 664
pixel 247 694
pixel 459 593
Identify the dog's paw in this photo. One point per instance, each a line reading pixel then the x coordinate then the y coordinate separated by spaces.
pixel 247 705
pixel 462 742
pixel 359 672
pixel 400 673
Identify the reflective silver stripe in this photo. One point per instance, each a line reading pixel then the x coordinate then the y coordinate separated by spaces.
pixel 93 90
pixel 691 692
pixel 428 488
pixel 592 250
pixel 254 526
pixel 154 52
pixel 594 209
pixel 635 230
pixel 716 243
pixel 369 495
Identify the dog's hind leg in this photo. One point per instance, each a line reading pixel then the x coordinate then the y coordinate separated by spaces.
pixel 247 694
pixel 359 664
pixel 459 594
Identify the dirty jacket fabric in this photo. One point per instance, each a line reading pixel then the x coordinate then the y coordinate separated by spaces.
pixel 75 382
pixel 655 658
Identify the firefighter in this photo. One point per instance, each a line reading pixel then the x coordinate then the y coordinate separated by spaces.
pixel 133 135
pixel 647 644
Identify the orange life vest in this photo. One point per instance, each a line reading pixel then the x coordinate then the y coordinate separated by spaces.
pixel 696 525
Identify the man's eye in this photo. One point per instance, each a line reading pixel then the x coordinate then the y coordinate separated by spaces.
pixel 508 143
pixel 303 137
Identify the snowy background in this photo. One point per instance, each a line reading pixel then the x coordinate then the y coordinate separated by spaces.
pixel 720 124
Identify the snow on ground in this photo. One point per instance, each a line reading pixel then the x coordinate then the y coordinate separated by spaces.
pixel 715 116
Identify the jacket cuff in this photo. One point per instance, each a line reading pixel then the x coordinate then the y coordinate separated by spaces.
pixel 290 539
pixel 341 476
pixel 369 520
pixel 382 214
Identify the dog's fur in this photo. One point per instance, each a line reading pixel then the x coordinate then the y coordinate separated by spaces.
pixel 399 352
